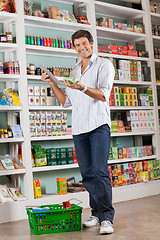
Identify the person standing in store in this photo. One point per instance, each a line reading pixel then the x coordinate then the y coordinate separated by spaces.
pixel 89 98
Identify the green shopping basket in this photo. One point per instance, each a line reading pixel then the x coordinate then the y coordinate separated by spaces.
pixel 56 219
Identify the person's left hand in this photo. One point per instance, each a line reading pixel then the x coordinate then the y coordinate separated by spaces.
pixel 77 86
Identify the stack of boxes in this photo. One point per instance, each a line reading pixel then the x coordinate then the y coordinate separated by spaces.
pixel 129 152
pixel 48 123
pixel 131 173
pixel 123 96
pixel 59 156
pixel 128 97
pixel 42 96
pixel 145 98
pixel 142 120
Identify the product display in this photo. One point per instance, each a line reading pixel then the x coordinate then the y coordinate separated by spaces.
pixel 131 173
pixel 7 163
pixel 121 50
pixel 53 156
pixel 157 53
pixel 11 67
pixel 39 147
pixel 48 42
pixel 133 121
pixel 57 71
pixel 9 97
pixel 111 23
pixel 8 6
pixel 131 96
pixel 131 152
pixel 48 123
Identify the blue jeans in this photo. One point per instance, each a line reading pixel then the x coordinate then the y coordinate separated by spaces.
pixel 92 151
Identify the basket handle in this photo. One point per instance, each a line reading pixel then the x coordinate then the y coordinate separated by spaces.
pixel 79 202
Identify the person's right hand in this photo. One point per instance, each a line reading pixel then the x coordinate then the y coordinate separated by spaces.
pixel 45 77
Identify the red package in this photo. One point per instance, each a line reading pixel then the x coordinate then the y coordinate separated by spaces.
pixel 130 47
pixel 132 53
pixel 124 50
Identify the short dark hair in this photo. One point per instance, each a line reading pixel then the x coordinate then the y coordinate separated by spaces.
pixel 82 33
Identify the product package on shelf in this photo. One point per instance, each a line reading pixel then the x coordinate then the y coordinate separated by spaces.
pixel 4 194
pixel 16 194
pixel 37 188
pixel 136 172
pixel 48 123
pixel 39 155
pixel 9 97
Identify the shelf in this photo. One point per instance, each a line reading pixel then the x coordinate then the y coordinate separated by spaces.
pixel 126 57
pixel 39 78
pixel 9 76
pixel 6 15
pixel 68 137
pixel 135 83
pixel 158 107
pixel 52 168
pixel 8 46
pixel 49 108
pixel 111 10
pixel 113 108
pixel 70 1
pixel 156 40
pixel 54 24
pixel 50 51
pixel 51 138
pixel 132 134
pixel 135 191
pixel 12 172
pixel 114 34
pixel 10 108
pixel 155 18
pixel 132 159
pixel 11 140
pixel 157 60
pixel 158 83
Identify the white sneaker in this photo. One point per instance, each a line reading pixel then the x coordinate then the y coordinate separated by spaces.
pixel 106 227
pixel 93 221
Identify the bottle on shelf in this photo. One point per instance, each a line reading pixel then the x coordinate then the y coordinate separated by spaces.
pixel 5 133
pixel 1 133
pixel 9 130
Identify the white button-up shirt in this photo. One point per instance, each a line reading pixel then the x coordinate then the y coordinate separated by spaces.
pixel 87 112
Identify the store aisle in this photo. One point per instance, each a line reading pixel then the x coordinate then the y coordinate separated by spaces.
pixel 135 220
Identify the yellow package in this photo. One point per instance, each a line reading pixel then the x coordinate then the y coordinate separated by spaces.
pixel 37 188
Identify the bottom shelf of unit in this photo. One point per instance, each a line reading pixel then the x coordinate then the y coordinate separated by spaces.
pixel 135 191
pixel 17 210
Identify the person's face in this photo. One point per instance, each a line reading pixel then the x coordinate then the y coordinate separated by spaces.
pixel 83 47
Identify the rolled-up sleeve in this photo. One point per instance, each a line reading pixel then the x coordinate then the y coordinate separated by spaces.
pixel 68 101
pixel 105 78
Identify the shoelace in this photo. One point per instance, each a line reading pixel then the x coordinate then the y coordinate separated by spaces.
pixel 106 223
pixel 93 218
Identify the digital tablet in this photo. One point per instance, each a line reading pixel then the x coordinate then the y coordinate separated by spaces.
pixel 52 77
pixel 59 79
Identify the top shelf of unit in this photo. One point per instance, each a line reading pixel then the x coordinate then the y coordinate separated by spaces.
pixel 6 15
pixel 120 35
pixel 155 18
pixel 116 11
pixel 71 1
pixel 53 24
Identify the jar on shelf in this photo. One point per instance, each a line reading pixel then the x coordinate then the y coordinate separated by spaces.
pixel 9 37
pixel 32 68
pixel 3 37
